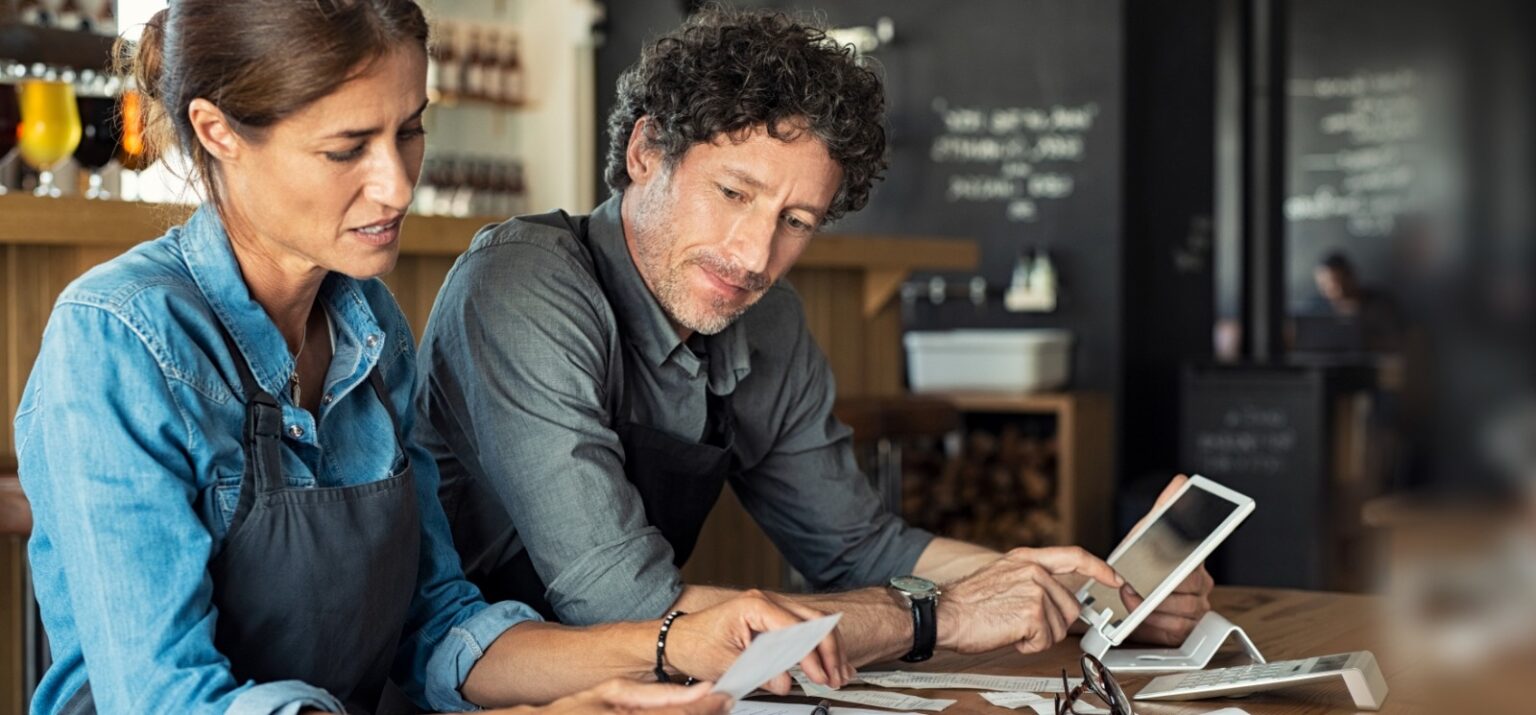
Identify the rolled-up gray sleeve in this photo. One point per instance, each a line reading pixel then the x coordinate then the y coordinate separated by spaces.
pixel 807 492
pixel 519 355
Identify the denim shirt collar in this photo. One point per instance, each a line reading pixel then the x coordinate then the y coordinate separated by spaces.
pixel 211 261
pixel 640 316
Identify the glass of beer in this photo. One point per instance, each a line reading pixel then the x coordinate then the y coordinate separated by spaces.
pixel 50 129
pixel 132 151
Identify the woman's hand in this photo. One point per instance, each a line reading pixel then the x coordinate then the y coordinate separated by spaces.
pixel 704 643
pixel 1176 617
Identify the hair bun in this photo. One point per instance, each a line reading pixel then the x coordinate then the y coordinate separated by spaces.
pixel 143 60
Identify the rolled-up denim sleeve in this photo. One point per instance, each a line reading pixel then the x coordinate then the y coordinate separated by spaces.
pixel 525 370
pixel 448 626
pixel 458 652
pixel 283 697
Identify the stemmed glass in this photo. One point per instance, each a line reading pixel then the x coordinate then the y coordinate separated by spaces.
pixel 10 126
pixel 50 129
pixel 101 132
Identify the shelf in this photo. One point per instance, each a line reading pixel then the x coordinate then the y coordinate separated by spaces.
pixel 439 99
pixel 51 46
pixel 1021 403
pixel 1085 465
pixel 30 220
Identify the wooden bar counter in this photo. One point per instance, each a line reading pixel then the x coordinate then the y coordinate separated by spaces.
pixel 1285 625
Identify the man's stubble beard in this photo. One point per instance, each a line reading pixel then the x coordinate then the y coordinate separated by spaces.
pixel 654 239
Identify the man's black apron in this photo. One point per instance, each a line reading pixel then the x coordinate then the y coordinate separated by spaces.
pixel 311 584
pixel 679 481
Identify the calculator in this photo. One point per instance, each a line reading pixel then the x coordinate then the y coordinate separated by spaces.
pixel 1358 670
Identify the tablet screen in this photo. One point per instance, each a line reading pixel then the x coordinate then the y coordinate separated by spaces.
pixel 1188 522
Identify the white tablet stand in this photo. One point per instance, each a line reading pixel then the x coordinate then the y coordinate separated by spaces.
pixel 1210 633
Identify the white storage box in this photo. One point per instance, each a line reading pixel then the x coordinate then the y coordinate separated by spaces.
pixel 989 360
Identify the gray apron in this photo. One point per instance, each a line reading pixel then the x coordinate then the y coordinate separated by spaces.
pixel 311 584
pixel 679 482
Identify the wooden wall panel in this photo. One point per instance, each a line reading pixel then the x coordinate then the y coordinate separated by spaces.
pixel 33 277
pixel 415 282
pixel 12 596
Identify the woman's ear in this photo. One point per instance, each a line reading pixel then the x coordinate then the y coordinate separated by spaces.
pixel 213 130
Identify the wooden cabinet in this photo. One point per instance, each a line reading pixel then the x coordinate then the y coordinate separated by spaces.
pixel 1083 489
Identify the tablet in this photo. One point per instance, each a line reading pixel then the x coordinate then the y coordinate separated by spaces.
pixel 1173 542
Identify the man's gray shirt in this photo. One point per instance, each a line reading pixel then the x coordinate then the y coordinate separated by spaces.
pixel 522 369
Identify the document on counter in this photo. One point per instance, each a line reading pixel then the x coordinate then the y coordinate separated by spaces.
pixel 894 701
pixel 965 681
pixel 759 707
pixel 772 653
pixel 1041 704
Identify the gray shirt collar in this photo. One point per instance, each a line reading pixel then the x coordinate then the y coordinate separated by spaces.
pixel 641 318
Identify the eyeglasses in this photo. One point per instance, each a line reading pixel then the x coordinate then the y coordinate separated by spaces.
pixel 1097 680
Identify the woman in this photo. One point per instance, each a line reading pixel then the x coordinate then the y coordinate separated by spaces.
pixel 228 515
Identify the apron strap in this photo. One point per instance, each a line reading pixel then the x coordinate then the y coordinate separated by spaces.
pixel 263 433
pixel 379 389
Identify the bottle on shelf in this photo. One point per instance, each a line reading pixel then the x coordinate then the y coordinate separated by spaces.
pixel 448 61
pixel 474 65
pixel 519 189
pixel 31 12
pixel 104 21
pixel 513 90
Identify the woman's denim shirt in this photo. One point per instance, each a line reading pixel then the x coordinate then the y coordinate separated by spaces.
pixel 128 437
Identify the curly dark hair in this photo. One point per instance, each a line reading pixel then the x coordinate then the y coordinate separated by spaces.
pixel 730 71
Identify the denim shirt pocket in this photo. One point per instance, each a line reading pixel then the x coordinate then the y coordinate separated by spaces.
pixel 223 497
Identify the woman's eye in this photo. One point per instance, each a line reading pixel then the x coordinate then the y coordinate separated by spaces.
pixel 342 157
pixel 413 133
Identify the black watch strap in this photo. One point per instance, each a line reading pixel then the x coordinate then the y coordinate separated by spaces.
pixel 925 631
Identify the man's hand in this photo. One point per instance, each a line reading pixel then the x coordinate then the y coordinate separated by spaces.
pixel 625 697
pixel 1017 600
pixel 1177 615
pixel 703 644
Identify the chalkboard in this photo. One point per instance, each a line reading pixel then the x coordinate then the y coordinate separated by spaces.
pixel 1262 431
pixel 1005 121
pixel 1370 132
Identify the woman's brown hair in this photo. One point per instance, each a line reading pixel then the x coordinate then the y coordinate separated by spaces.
pixel 258 61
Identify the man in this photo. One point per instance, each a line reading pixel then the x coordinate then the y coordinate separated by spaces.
pixel 591 382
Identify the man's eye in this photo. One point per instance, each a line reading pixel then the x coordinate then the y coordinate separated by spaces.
pixel 730 193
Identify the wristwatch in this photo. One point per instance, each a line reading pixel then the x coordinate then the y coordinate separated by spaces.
pixel 922 596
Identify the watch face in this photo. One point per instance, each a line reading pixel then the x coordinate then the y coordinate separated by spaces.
pixel 914 585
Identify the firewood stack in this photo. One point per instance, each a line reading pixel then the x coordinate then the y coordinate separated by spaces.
pixel 999 491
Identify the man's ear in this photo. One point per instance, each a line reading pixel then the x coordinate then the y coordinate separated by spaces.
pixel 213 130
pixel 642 158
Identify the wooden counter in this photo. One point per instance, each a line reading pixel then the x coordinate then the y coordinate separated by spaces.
pixel 1284 624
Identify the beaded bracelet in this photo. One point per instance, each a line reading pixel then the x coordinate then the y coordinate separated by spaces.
pixel 661 646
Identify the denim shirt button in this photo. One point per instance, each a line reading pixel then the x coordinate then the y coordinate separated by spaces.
pixel 372 340
pixel 295 431
pixel 326 398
